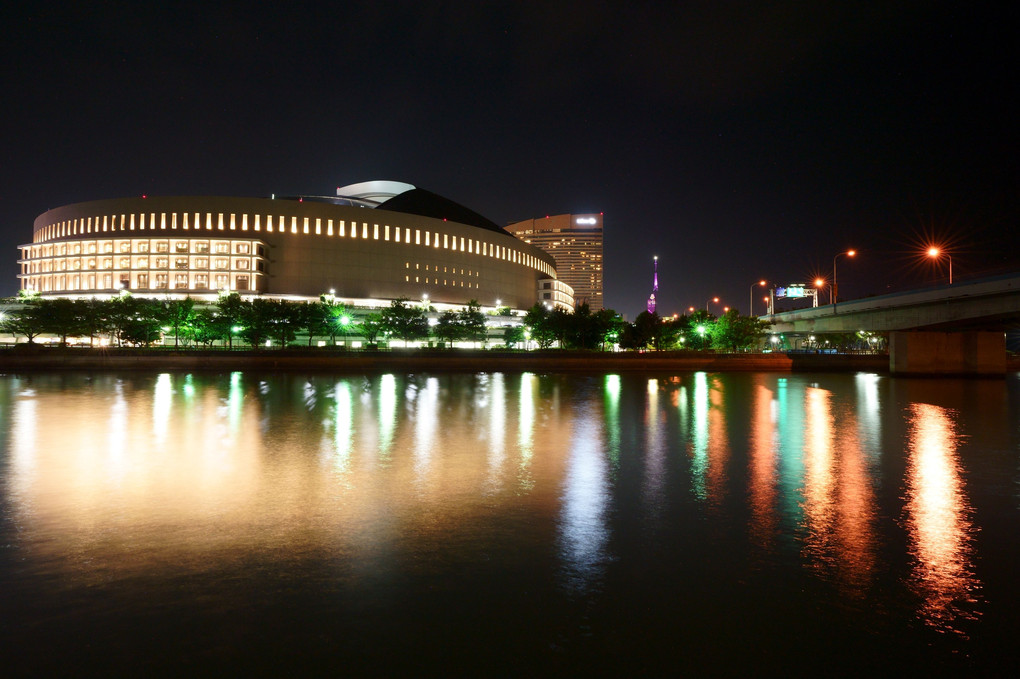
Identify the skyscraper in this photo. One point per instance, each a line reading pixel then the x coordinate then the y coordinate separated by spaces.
pixel 575 242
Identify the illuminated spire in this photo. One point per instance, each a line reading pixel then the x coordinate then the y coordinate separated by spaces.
pixel 655 284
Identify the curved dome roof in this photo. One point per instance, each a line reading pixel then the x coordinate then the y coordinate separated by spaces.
pixel 373 192
pixel 427 204
pixel 406 198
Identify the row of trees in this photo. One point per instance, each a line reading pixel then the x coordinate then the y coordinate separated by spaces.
pixel 585 329
pixel 133 321
pixel 700 330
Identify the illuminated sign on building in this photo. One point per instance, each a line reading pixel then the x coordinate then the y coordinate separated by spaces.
pixel 586 220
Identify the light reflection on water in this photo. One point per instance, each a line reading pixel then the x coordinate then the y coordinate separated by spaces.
pixel 570 483
pixel 938 516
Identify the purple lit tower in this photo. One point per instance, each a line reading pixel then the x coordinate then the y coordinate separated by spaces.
pixel 655 285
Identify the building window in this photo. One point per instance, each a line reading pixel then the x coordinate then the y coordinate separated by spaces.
pixel 242 282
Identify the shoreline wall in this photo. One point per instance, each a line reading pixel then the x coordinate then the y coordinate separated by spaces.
pixel 81 359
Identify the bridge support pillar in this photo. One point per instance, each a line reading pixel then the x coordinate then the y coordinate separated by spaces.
pixel 947 353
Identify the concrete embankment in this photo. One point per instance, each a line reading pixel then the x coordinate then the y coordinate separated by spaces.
pixel 323 360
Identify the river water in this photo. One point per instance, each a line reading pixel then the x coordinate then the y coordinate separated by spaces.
pixel 509 525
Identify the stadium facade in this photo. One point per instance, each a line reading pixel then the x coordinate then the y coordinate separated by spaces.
pixel 371 243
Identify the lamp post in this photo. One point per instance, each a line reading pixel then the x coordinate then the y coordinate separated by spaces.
pixel 750 300
pixel 714 299
pixel 833 292
pixel 934 253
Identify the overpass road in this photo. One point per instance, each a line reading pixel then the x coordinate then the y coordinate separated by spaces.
pixel 987 304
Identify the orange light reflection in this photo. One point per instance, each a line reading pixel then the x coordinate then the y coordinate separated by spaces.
pixel 938 520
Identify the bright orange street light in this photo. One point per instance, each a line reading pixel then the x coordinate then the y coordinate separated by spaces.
pixel 750 299
pixel 934 253
pixel 714 299
pixel 833 292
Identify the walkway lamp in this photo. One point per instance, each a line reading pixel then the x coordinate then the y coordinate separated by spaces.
pixel 750 300
pixel 934 253
pixel 833 292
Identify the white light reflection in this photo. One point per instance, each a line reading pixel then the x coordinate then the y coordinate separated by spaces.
pixel 117 432
pixel 426 417
pixel 162 399
pixel 23 441
pixel 343 425
pixel 526 429
pixel 387 413
pixel 938 520
pixel 655 453
pixel 612 410
pixel 869 411
pixel 583 532
pixel 699 434
pixel 235 402
pixel 497 431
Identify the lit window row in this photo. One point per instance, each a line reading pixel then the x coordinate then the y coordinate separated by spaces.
pixel 142 264
pixel 219 221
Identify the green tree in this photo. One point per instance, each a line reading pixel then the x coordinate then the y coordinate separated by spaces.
pixel 448 329
pixel 472 322
pixel 734 332
pixel 60 317
pixel 404 321
pixel 231 309
pixel 513 335
pixel 541 329
pixel 370 327
pixel 178 314
pixel 26 321
pixel 255 320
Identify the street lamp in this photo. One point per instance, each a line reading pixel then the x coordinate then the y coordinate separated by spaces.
pixel 750 300
pixel 934 253
pixel 714 299
pixel 833 293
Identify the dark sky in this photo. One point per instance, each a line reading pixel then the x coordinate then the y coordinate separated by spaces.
pixel 733 140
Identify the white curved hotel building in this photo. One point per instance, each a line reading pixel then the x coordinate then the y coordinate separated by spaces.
pixel 372 243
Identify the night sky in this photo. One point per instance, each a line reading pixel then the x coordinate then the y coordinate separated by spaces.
pixel 736 141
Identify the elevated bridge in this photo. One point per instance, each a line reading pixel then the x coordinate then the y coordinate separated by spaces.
pixel 947 329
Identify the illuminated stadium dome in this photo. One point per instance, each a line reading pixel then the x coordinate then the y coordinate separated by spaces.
pixel 371 243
